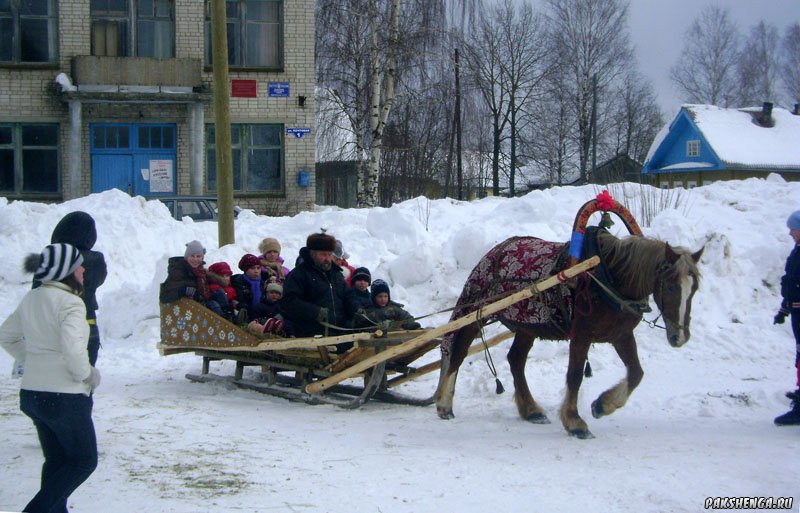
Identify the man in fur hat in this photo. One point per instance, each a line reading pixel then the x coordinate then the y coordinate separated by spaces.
pixel 316 299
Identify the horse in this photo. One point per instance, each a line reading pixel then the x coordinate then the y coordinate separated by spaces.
pixel 581 312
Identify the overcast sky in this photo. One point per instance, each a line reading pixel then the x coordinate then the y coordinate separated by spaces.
pixel 658 28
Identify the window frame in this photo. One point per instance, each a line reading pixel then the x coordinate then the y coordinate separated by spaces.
pixel 241 142
pixel 132 20
pixel 693 148
pixel 240 49
pixel 15 42
pixel 18 147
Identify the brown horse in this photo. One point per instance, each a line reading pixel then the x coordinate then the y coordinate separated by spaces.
pixel 638 267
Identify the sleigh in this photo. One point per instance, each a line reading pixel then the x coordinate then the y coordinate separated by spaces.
pixel 311 370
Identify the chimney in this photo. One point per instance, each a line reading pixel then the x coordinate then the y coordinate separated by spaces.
pixel 796 110
pixel 765 116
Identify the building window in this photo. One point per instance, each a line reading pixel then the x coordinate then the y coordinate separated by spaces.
pixel 664 184
pixel 29 158
pixel 135 28
pixel 255 33
pixel 691 184
pixel 693 148
pixel 28 31
pixel 257 153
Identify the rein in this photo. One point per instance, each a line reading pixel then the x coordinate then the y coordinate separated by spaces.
pixel 632 306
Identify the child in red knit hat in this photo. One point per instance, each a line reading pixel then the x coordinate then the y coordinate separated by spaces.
pixel 219 278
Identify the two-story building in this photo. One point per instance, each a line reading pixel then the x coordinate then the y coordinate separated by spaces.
pixel 100 94
pixel 705 143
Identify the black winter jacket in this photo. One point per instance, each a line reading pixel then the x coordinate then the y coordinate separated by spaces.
pixel 308 288
pixel 392 312
pixel 78 229
pixel 179 277
pixel 244 294
pixel 790 282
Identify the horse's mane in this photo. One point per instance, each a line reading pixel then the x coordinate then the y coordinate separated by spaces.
pixel 634 261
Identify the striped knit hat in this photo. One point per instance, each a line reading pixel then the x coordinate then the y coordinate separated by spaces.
pixel 56 262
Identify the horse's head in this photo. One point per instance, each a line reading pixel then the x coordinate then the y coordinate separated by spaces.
pixel 677 279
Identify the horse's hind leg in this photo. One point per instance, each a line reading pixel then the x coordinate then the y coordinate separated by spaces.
pixel 447 376
pixel 572 421
pixel 517 356
pixel 616 397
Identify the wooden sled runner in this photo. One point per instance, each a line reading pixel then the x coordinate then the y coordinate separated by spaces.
pixel 315 370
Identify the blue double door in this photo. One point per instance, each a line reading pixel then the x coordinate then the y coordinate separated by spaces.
pixel 135 158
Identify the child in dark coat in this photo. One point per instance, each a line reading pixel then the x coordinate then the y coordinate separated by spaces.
pixel 272 321
pixel 251 289
pixel 78 229
pixel 361 279
pixel 383 309
pixel 790 306
pixel 219 278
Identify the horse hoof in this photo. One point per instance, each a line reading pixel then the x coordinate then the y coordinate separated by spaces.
pixel 583 434
pixel 445 413
pixel 538 418
pixel 597 409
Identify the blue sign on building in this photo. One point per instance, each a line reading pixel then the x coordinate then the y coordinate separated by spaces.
pixel 298 132
pixel 279 89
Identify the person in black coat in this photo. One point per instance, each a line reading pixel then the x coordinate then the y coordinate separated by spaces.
pixel 187 277
pixel 790 306
pixel 315 291
pixel 78 229
pixel 251 289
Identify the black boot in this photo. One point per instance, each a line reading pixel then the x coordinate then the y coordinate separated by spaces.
pixel 241 317
pixel 794 396
pixel 790 418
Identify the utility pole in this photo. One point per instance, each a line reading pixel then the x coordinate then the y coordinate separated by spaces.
pixel 593 131
pixel 459 167
pixel 222 123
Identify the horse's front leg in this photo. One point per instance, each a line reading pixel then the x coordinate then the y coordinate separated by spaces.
pixel 572 421
pixel 616 397
pixel 517 356
pixel 449 372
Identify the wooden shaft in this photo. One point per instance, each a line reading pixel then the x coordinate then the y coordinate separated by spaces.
pixel 481 313
pixel 430 367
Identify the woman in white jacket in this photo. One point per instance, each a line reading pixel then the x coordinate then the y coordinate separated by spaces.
pixel 48 333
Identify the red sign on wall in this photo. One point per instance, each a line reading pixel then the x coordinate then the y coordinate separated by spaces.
pixel 243 88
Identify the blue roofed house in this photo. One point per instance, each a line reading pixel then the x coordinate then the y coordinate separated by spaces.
pixel 705 143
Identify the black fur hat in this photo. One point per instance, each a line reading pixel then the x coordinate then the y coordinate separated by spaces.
pixel 321 242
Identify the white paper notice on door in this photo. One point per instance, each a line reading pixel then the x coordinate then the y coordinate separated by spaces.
pixel 161 176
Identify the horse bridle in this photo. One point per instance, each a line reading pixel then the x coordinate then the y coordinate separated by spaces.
pixel 659 278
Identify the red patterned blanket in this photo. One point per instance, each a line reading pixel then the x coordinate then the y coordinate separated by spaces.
pixel 508 267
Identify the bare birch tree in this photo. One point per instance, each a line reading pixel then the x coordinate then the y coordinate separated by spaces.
pixel 505 60
pixel 549 139
pixel 526 47
pixel 706 69
pixel 790 62
pixel 634 119
pixel 758 67
pixel 591 39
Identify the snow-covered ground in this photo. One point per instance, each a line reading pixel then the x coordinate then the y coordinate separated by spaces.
pixel 699 425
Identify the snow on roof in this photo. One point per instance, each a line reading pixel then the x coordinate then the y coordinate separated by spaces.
pixel 739 141
pixel 687 165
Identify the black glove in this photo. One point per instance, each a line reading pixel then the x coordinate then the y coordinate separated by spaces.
pixel 322 316
pixel 780 316
pixel 411 325
pixel 190 291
